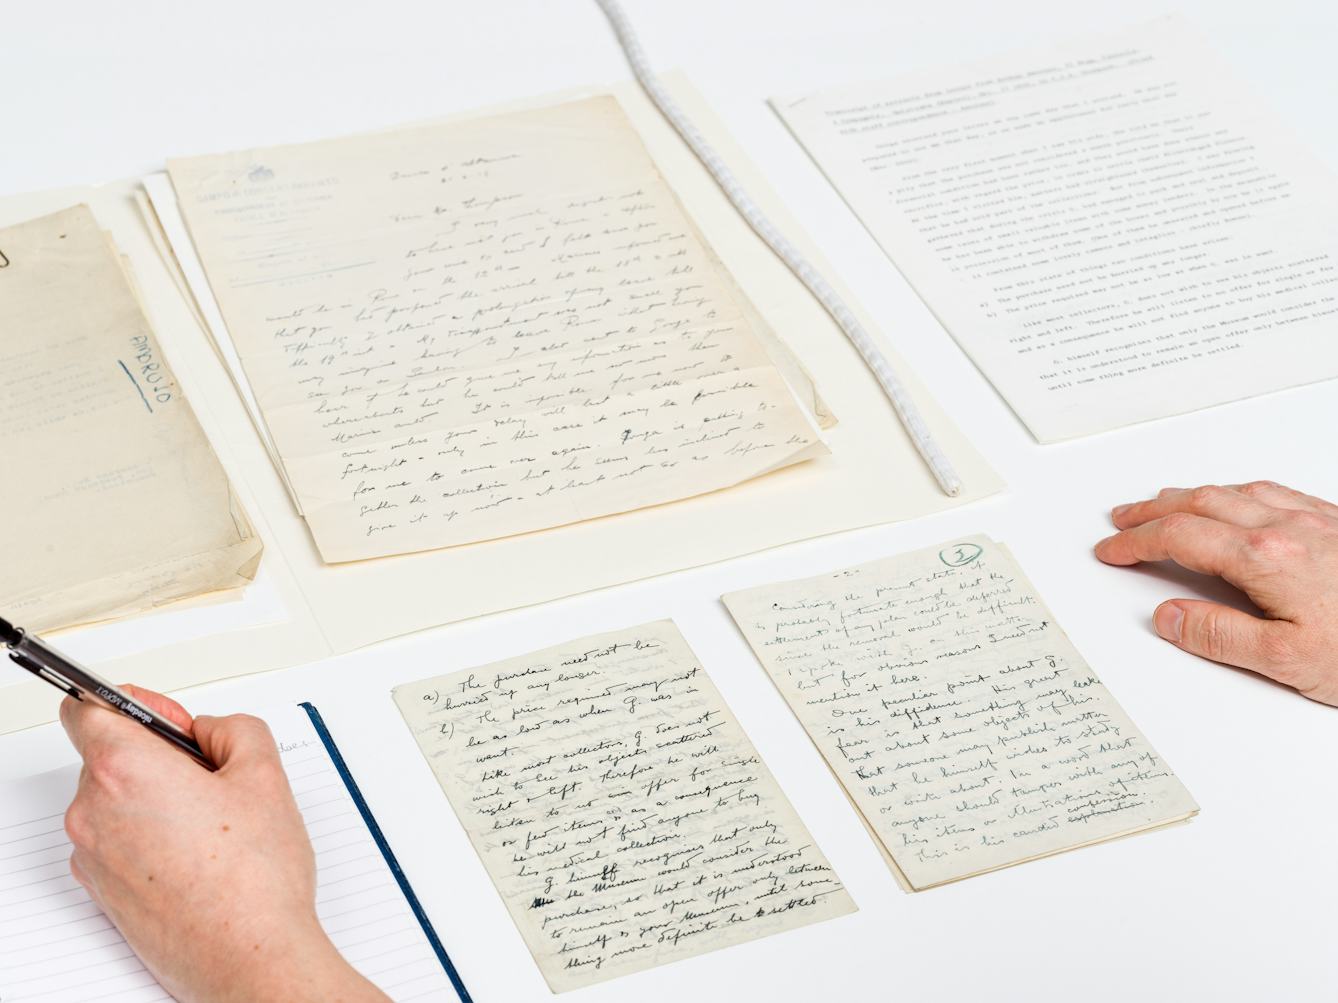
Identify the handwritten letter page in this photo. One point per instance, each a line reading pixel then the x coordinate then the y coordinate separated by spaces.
pixel 1113 230
pixel 466 331
pixel 623 814
pixel 115 501
pixel 962 722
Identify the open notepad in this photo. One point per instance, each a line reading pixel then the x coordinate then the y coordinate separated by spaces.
pixel 57 945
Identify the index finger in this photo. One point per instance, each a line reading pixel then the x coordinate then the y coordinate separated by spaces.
pixel 160 704
pixel 1210 501
pixel 90 724
pixel 1203 545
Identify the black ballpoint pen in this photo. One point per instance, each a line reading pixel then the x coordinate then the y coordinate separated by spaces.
pixel 43 661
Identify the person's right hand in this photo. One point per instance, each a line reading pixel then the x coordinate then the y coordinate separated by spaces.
pixel 1278 546
pixel 210 877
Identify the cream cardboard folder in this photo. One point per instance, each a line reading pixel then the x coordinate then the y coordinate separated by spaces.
pixel 872 474
pixel 118 504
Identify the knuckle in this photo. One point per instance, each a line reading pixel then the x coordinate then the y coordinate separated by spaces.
pixel 1258 487
pixel 106 767
pixel 1272 544
pixel 79 825
pixel 1214 636
pixel 250 723
pixel 1308 520
pixel 254 736
pixel 1176 522
pixel 1203 498
pixel 254 729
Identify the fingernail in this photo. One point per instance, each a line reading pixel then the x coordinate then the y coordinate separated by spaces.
pixel 1168 620
pixel 1119 510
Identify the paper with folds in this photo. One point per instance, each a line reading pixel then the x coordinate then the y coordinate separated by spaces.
pixel 871 473
pixel 115 502
pixel 469 330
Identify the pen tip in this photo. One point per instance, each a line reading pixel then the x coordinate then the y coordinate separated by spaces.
pixel 9 634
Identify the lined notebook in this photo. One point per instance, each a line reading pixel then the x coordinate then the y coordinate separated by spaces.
pixel 57 945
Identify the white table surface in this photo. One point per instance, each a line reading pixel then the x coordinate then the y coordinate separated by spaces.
pixel 1236 905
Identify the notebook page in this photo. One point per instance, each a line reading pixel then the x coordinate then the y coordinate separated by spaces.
pixel 56 945
pixel 964 725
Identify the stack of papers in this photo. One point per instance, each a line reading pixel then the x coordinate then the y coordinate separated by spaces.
pixel 118 502
pixel 468 331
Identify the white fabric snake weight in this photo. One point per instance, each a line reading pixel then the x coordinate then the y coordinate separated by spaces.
pixel 906 410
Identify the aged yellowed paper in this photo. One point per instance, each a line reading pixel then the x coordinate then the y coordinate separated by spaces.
pixel 871 475
pixel 467 331
pixel 115 502
pixel 966 728
pixel 621 811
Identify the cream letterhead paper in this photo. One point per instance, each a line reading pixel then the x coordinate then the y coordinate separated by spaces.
pixel 963 724
pixel 1112 229
pixel 115 502
pixel 466 331
pixel 621 811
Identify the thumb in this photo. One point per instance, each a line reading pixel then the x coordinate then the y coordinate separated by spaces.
pixel 1225 635
pixel 239 740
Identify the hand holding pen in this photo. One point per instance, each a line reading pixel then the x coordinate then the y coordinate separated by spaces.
pixel 32 653
pixel 209 876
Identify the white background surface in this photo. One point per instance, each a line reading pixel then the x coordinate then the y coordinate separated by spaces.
pixel 1237 905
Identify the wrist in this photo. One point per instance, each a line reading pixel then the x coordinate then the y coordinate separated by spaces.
pixel 296 965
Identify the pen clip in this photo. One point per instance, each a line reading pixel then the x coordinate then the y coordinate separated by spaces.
pixel 72 679
pixel 37 669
